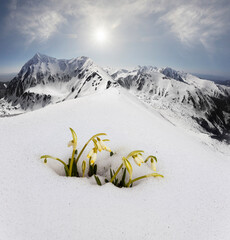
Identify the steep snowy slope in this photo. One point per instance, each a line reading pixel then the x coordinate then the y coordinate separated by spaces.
pixel 191 202
pixel 43 80
pixel 180 97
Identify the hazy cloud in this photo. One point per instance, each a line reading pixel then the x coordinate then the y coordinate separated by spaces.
pixel 33 21
pixel 194 23
pixel 201 21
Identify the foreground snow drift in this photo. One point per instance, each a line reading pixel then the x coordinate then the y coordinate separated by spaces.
pixel 191 202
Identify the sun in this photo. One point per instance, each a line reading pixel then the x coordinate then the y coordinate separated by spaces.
pixel 101 35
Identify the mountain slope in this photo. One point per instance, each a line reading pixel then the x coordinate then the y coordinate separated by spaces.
pixel 43 80
pixel 180 96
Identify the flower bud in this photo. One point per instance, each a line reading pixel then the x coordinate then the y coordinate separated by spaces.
pixel 153 165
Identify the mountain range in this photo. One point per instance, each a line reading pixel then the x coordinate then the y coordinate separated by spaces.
pixel 180 97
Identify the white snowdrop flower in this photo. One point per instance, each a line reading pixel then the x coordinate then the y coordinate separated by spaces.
pixel 138 159
pixel 103 146
pixel 72 144
pixel 99 147
pixel 153 161
pixel 90 153
pixel 93 158
pixel 108 149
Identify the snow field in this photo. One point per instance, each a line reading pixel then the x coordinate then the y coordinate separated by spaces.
pixel 191 202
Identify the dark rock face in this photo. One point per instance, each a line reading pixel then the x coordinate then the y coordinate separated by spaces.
pixel 125 82
pixel 34 99
pixel 170 73
pixel 16 94
pixel 217 112
pixel 216 115
pixel 109 83
pixel 141 83
pixel 3 87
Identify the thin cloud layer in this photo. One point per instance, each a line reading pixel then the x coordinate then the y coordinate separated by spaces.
pixel 36 23
pixel 196 22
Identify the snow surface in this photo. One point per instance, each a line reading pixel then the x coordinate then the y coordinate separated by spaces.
pixel 191 202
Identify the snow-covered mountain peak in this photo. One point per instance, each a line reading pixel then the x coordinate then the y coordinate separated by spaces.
pixel 171 73
pixel 147 69
pixel 81 62
pixel 41 56
pixel 45 79
pixel 41 63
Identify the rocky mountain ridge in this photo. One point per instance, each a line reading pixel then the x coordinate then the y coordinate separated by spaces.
pixel 43 80
pixel 181 97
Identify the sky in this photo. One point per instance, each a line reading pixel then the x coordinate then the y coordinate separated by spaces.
pixel 193 36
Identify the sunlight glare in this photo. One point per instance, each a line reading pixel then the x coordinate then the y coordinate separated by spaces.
pixel 101 35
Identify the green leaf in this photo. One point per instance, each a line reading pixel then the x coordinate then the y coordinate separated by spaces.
pixel 116 181
pixel 147 176
pixel 57 159
pixel 111 173
pixel 122 182
pixel 75 170
pixel 97 180
pixel 90 170
pixel 66 172
pixel 95 169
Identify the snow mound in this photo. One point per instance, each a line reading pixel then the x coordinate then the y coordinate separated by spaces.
pixel 191 202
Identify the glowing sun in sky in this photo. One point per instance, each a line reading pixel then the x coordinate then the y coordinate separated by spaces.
pixel 101 35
